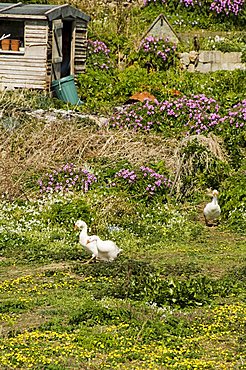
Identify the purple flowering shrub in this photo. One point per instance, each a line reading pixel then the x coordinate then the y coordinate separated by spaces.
pixel 197 114
pixel 232 128
pixel 98 55
pixel 143 182
pixel 194 114
pixel 217 7
pixel 65 179
pixel 137 116
pixel 156 53
pixel 227 6
pixel 236 116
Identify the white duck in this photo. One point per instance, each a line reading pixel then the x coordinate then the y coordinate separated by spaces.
pixel 212 210
pixel 103 250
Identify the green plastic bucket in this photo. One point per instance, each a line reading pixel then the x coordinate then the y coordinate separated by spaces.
pixel 65 90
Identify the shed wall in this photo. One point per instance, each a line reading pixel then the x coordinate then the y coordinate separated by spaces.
pixel 80 47
pixel 27 70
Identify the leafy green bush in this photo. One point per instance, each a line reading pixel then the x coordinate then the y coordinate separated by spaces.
pixel 102 90
pixel 142 282
pixel 201 167
pixel 92 313
pixel 233 200
pixel 67 211
pixel 97 89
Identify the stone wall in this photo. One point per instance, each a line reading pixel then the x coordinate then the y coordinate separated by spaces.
pixel 211 61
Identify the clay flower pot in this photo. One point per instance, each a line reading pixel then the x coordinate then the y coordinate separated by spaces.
pixel 5 44
pixel 15 44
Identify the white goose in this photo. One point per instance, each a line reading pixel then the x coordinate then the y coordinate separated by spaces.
pixel 212 210
pixel 102 250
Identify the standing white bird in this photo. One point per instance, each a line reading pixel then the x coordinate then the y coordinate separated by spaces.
pixel 212 210
pixel 88 242
pixel 102 250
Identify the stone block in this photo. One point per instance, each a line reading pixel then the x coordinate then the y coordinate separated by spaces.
pixel 191 68
pixel 217 55
pixel 205 56
pixel 193 55
pixel 241 66
pixel 204 67
pixel 225 66
pixel 184 59
pixel 215 67
pixel 232 57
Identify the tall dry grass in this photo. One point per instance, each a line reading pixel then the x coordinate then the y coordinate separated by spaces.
pixel 37 146
pixel 33 142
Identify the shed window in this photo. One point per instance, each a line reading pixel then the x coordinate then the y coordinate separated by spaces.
pixel 16 31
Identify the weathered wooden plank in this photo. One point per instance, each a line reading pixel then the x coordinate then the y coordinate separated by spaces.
pixel 26 85
pixel 79 66
pixel 81 51
pixel 81 24
pixel 36 50
pixel 36 23
pixel 23 16
pixel 32 73
pixel 22 80
pixel 81 41
pixel 23 68
pixel 36 37
pixel 81 48
pixel 22 61
pixel 35 29
pixel 78 62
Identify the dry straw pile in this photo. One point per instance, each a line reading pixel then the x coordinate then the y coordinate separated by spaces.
pixel 31 144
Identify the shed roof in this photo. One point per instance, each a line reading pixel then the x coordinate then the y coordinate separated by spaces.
pixel 162 28
pixel 42 11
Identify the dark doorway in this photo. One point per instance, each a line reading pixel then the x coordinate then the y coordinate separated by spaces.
pixel 66 48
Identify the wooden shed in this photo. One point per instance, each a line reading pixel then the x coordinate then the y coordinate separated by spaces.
pixel 52 43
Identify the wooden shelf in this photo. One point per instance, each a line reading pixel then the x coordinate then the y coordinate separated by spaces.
pixel 20 52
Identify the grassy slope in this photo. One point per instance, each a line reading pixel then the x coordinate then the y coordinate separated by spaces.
pixel 57 313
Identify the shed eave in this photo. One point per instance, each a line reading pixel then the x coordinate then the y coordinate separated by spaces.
pixel 39 11
pixel 66 11
pixel 23 16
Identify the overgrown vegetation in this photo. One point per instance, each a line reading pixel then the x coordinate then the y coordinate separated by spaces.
pixel 140 175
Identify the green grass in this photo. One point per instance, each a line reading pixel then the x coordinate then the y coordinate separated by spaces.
pixel 174 299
